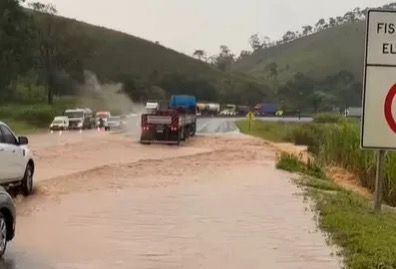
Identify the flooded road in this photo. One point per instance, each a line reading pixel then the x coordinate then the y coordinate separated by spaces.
pixel 215 202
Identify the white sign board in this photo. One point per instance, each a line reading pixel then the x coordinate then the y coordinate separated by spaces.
pixel 379 93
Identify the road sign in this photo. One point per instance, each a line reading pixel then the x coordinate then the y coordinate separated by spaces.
pixel 379 93
pixel 250 116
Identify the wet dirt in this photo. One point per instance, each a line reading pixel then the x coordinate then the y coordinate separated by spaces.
pixel 215 202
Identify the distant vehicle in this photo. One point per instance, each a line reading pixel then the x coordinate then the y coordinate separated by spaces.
pixel 265 109
pixel 208 109
pixel 7 220
pixel 59 123
pixel 353 112
pixel 102 116
pixel 115 122
pixel 227 113
pixel 230 110
pixel 201 109
pixel 170 125
pixel 152 107
pixel 80 118
pixel 243 110
pixel 16 161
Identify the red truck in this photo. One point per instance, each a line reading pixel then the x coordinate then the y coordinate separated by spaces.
pixel 171 125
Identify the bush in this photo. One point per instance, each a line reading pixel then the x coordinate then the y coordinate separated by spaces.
pixel 39 115
pixel 309 135
pixel 328 118
pixel 292 163
pixel 289 162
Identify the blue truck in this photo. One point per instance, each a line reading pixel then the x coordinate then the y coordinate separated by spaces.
pixel 172 124
pixel 265 109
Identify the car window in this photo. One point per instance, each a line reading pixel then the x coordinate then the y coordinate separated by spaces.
pixel 8 137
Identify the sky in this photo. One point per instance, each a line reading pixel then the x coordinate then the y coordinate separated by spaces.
pixel 187 25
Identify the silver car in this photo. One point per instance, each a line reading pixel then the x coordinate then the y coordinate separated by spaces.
pixel 115 122
pixel 7 220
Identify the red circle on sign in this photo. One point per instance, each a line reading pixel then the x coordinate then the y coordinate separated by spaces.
pixel 388 108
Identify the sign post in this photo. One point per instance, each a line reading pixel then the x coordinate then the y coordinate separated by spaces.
pixel 378 130
pixel 251 118
pixel 379 181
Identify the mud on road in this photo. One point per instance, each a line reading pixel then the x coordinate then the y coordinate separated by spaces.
pixel 105 201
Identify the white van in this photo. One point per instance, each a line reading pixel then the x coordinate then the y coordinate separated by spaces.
pixel 60 123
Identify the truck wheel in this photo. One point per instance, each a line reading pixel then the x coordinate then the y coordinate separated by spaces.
pixel 178 138
pixel 183 134
pixel 194 130
pixel 186 133
pixel 27 181
pixel 3 235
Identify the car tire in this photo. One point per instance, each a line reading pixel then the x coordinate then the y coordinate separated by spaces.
pixel 27 181
pixel 3 235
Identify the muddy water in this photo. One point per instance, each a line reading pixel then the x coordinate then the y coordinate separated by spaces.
pixel 216 202
pixel 238 220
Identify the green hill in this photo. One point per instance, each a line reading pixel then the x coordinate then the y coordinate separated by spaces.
pixel 116 52
pixel 317 56
pixel 142 65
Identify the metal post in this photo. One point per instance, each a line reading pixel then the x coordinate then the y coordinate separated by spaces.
pixel 250 124
pixel 379 181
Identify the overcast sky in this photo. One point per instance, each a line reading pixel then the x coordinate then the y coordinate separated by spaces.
pixel 186 25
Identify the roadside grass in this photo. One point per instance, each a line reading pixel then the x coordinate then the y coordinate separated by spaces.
pixel 22 127
pixel 27 118
pixel 328 118
pixel 30 118
pixel 293 163
pixel 367 240
pixel 273 131
pixel 332 142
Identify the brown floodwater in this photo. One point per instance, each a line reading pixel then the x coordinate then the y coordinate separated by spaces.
pixel 216 202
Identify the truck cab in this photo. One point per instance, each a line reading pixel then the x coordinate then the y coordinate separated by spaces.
pixel 80 118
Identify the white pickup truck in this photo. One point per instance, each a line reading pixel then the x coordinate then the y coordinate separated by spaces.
pixel 16 161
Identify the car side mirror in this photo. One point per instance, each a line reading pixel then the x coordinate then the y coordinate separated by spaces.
pixel 23 140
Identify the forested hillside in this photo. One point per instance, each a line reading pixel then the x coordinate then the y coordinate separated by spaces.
pixel 318 68
pixel 46 56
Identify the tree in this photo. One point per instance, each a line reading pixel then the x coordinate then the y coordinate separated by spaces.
pixel 225 59
pixel 296 92
pixel 358 13
pixel 16 55
pixel 340 20
pixel 224 50
pixel 244 54
pixel 289 36
pixel 350 17
pixel 272 70
pixel 319 25
pixel 390 6
pixel 57 46
pixel 180 83
pixel 332 22
pixel 255 42
pixel 344 88
pixel 200 54
pixel 322 101
pixel 307 29
pixel 265 43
